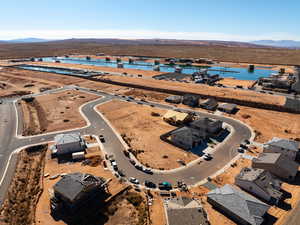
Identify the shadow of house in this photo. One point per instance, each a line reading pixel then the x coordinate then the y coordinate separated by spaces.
pixel 77 196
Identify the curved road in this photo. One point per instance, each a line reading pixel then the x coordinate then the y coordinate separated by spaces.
pixel 190 175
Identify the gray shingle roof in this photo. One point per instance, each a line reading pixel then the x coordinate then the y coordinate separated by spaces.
pixel 284 143
pixel 67 138
pixel 240 203
pixel 71 185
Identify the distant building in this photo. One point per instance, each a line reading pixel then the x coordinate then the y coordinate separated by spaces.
pixel 185 211
pixel 175 99
pixel 227 107
pixel 287 147
pixel 190 100
pixel 68 143
pixel 176 118
pixel 260 183
pixel 296 84
pixel 74 191
pixel 238 205
pixel 277 164
pixel 209 103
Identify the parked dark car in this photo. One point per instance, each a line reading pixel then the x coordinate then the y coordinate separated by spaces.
pixel 121 173
pixel 139 167
pixel 148 171
pixel 150 184
pixel 101 138
pixel 132 161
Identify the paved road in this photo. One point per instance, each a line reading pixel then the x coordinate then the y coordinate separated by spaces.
pixel 113 145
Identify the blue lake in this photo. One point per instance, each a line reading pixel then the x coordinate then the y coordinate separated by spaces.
pixel 238 73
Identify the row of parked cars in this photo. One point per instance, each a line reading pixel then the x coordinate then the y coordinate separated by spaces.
pixel 162 186
pixel 243 146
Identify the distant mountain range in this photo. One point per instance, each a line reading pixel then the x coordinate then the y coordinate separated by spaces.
pixel 25 40
pixel 281 43
pixel 112 41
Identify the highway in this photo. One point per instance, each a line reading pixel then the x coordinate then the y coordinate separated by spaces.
pixel 12 140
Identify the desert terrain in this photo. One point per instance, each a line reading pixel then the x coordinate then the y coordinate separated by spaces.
pixel 40 115
pixel 142 130
pixel 223 53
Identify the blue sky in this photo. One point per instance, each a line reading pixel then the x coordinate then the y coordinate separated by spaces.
pixel 240 20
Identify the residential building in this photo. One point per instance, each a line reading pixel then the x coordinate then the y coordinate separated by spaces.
pixel 195 133
pixel 286 147
pixel 74 191
pixel 187 138
pixel 238 205
pixel 277 164
pixel 185 211
pixel 260 183
pixel 227 107
pixel 209 103
pixel 190 100
pixel 208 125
pixel 68 143
pixel 176 118
pixel 176 99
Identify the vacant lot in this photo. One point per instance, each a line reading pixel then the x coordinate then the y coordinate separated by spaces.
pixel 220 53
pixel 55 112
pixel 234 82
pixel 12 84
pixel 269 124
pixel 143 131
pixel 25 188
pixel 228 93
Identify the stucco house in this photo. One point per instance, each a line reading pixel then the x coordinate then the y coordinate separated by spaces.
pixel 206 124
pixel 260 183
pixel 69 143
pixel 288 148
pixel 187 138
pixel 277 164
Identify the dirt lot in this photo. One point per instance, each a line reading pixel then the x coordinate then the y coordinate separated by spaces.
pixel 269 124
pixel 143 131
pixel 40 116
pixel 234 82
pixel 11 84
pixel 157 212
pixel 229 93
pixel 25 189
